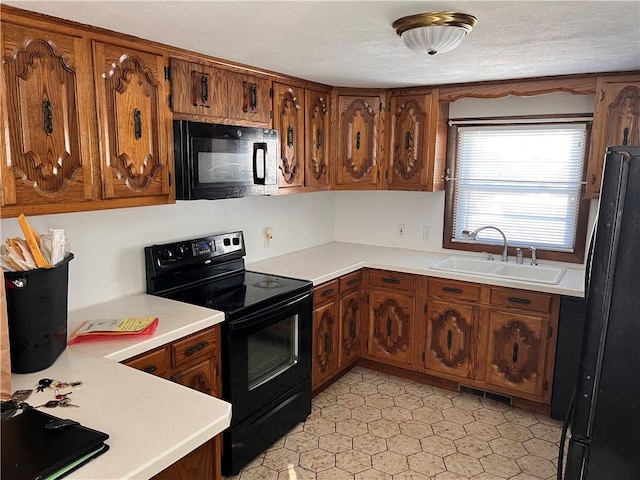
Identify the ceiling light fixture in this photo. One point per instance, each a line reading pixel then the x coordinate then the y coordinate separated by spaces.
pixel 434 32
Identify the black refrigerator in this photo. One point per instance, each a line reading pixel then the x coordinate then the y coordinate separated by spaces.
pixel 605 425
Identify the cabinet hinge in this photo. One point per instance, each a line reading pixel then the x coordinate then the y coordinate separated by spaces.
pixel 545 385
pixel 389 107
pixel 167 73
pixel 386 174
pixel 170 100
pixel 601 95
pixel 550 331
pixel 271 115
pixel 170 179
pixel 381 106
pixel 271 93
pixel 425 308
pixel 423 357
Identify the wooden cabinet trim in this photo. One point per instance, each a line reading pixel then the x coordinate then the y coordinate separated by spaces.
pixel 454 289
pixel 392 280
pixel 325 293
pixel 157 362
pixel 521 300
pixel 351 282
pixel 199 345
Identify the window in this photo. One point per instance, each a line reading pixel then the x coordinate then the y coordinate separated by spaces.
pixel 525 179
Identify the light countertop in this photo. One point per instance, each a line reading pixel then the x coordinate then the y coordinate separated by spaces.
pixel 151 422
pixel 332 260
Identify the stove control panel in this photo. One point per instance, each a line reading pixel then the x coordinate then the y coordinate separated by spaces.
pixel 212 249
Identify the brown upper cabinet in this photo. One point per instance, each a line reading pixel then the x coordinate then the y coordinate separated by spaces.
pixel 46 153
pixel 359 124
pixel 302 116
pixel 288 119
pixel 197 89
pixel 418 140
pixel 88 124
pixel 616 121
pixel 132 121
pixel 205 92
pixel 317 136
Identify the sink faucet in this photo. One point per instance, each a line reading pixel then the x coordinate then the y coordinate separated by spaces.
pixel 473 236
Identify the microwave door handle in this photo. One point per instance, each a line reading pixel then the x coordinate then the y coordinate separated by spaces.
pixel 256 148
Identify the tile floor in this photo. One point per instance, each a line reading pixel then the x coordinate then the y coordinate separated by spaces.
pixel 372 426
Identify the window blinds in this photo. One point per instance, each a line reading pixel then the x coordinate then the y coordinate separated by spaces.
pixel 523 179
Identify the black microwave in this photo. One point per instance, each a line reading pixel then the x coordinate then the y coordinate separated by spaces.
pixel 223 161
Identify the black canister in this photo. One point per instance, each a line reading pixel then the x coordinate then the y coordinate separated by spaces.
pixel 37 316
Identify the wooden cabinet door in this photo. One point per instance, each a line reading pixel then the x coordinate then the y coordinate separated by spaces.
pixel 391 336
pixel 317 123
pixel 358 142
pixel 349 329
pixel 133 121
pixel 325 348
pixel 408 155
pixel 417 151
pixel 452 341
pixel 249 98
pixel 47 117
pixel 289 121
pixel 616 121
pixel 201 377
pixel 198 90
pixel 516 352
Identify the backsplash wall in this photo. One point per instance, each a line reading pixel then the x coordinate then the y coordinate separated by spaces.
pixel 108 244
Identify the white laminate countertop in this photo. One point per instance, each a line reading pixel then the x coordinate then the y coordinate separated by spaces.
pixel 332 260
pixel 151 422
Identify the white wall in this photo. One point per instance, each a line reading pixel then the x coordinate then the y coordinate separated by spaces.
pixel 108 245
pixel 372 218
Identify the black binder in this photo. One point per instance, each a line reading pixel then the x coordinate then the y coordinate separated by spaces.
pixel 33 451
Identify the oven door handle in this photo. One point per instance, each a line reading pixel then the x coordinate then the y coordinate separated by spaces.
pixel 258 317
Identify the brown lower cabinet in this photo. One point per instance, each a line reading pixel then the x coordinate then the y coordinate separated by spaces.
pixel 193 362
pixel 337 308
pixel 494 339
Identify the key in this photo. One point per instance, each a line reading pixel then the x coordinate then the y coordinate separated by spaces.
pixel 61 396
pixel 67 403
pixel 43 383
pixel 49 404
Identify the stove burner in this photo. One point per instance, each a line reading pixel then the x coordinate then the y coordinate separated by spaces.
pixel 268 284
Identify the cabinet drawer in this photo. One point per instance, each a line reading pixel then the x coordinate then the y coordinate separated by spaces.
pixel 196 346
pixel 326 292
pixel 521 299
pixel 350 282
pixel 155 362
pixel 453 289
pixel 395 280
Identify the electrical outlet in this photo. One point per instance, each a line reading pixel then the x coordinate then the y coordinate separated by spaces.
pixel 401 230
pixel 268 236
pixel 426 232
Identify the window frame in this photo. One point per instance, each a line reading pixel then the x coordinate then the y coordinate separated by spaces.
pixel 577 256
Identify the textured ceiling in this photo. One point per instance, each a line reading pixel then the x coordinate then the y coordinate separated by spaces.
pixel 353 44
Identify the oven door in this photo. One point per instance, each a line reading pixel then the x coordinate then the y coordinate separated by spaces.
pixel 266 354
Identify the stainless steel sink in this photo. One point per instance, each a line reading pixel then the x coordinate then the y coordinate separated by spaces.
pixel 528 273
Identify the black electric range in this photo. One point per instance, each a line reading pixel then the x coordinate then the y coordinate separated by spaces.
pixel 265 338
